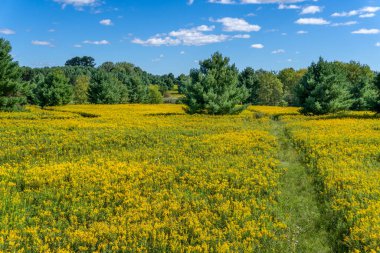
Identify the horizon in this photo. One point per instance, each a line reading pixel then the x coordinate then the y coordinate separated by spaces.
pixel 173 36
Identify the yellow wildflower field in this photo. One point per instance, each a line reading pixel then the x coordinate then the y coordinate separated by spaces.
pixel 149 178
pixel 343 154
pixel 137 178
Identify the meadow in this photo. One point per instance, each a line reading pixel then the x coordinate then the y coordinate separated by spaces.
pixel 149 178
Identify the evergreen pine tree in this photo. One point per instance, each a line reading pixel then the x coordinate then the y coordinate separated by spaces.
pixel 324 89
pixel 54 90
pixel 214 88
pixel 12 96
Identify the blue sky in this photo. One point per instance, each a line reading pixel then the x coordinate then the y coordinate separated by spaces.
pixel 173 35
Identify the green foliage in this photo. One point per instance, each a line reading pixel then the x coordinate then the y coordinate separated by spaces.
pixel 181 81
pixel 270 90
pixel 249 79
pixel 54 90
pixel 290 79
pixel 105 88
pixel 324 89
pixel 361 87
pixel 154 95
pixel 81 89
pixel 376 103
pixel 12 90
pixel 214 88
pixel 85 61
pixel 137 90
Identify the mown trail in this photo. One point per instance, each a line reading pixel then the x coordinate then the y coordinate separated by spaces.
pixel 298 204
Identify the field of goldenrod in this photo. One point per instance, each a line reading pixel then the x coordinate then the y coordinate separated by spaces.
pixel 343 154
pixel 137 178
pixel 142 178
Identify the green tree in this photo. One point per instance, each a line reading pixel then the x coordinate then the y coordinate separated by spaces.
pixel 54 90
pixel 214 88
pixel 138 91
pixel 81 89
pixel 105 88
pixel 376 103
pixel 248 78
pixel 181 81
pixel 270 89
pixel 290 79
pixel 85 61
pixel 324 89
pixel 154 95
pixel 361 87
pixel 12 90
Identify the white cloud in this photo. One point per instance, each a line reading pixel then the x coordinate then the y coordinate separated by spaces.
pixel 377 44
pixel 97 42
pixel 257 46
pixel 182 52
pixel 78 46
pixel 42 43
pixel 312 21
pixel 302 32
pixel 366 31
pixel 222 1
pixel 366 12
pixel 278 51
pixel 7 31
pixel 51 30
pixel 311 10
pixel 77 3
pixel 256 1
pixel 242 36
pixel 197 36
pixel 106 22
pixel 345 23
pixel 289 7
pixel 157 41
pixel 237 25
pixel 271 1
pixel 367 15
pixel 190 2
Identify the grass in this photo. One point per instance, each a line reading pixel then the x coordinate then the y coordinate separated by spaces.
pixel 298 205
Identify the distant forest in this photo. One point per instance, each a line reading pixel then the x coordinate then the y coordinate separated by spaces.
pixel 317 89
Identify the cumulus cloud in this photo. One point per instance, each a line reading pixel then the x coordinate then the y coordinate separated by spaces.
pixel 7 31
pixel 256 1
pixel 97 42
pixel 311 10
pixel 106 22
pixel 366 12
pixel 302 32
pixel 257 46
pixel 237 25
pixel 348 23
pixel 271 1
pixel 289 6
pixel 42 43
pixel 222 1
pixel 77 3
pixel 312 21
pixel 366 31
pixel 197 36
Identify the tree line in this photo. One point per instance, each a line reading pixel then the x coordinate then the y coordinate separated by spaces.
pixel 216 87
